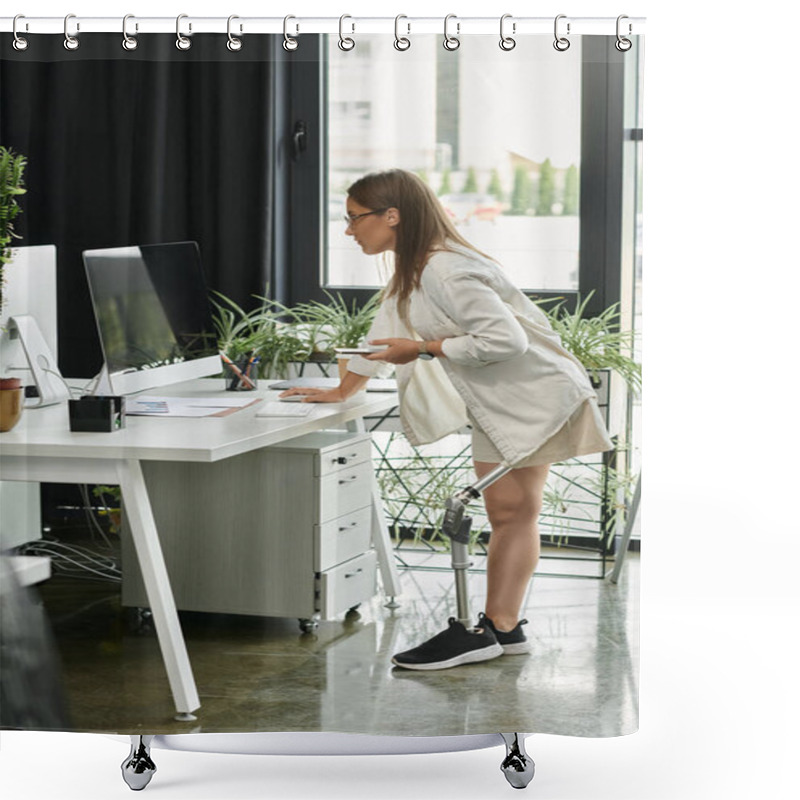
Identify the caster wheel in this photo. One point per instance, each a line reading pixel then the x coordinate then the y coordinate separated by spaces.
pixel 308 625
pixel 517 766
pixel 139 621
pixel 138 769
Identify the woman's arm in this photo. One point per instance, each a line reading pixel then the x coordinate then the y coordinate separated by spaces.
pixel 403 351
pixel 492 332
pixel 350 384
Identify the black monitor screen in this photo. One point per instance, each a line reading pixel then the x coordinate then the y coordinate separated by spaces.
pixel 151 305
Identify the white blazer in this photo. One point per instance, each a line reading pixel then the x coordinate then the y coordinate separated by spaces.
pixel 504 360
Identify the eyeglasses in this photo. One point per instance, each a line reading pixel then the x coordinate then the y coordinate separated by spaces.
pixel 351 219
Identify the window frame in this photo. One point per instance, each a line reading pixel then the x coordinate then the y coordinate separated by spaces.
pixel 601 180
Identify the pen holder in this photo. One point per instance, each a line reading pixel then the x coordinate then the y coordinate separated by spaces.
pixel 234 381
pixel 99 414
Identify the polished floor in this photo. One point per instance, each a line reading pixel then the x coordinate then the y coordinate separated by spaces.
pixel 264 674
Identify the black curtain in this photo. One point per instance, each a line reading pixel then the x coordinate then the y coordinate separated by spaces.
pixel 147 146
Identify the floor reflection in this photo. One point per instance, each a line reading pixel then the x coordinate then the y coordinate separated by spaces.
pixel 263 674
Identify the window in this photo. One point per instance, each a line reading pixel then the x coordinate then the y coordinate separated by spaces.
pixel 496 134
pixel 524 148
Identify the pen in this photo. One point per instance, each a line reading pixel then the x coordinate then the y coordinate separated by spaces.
pixel 237 372
pixel 242 365
pixel 252 360
pixel 233 382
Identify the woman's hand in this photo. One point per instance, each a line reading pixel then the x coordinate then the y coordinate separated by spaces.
pixel 398 351
pixel 316 395
pixel 351 383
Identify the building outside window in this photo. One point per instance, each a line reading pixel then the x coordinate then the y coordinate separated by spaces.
pixel 496 134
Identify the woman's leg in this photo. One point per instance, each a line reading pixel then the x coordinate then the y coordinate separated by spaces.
pixel 513 505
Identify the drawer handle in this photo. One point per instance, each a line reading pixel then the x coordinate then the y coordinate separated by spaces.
pixel 348 480
pixel 352 574
pixel 344 459
pixel 348 527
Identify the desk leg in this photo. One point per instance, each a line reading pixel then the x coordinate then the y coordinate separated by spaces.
pixel 381 538
pixel 159 592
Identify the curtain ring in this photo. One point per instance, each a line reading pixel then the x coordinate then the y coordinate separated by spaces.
pixel 233 44
pixel 289 43
pixel 561 43
pixel 70 42
pixel 451 43
pixel 401 42
pixel 129 42
pixel 622 44
pixel 506 42
pixel 19 43
pixel 182 42
pixel 345 42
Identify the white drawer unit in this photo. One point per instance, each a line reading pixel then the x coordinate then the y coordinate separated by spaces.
pixel 283 531
pixel 342 538
pixel 346 585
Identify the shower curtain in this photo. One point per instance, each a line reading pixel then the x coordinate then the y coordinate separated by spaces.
pixel 534 152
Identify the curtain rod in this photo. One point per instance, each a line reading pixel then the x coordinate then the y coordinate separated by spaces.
pixel 348 25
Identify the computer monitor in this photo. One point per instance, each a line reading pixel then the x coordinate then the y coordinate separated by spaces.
pixel 153 315
pixel 30 290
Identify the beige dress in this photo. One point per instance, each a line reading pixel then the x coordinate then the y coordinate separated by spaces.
pixel 583 433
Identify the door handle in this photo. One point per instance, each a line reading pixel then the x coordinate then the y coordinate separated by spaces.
pixel 299 139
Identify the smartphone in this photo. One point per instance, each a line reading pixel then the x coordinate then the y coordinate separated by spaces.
pixel 366 350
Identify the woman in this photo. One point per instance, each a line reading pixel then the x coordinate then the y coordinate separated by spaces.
pixel 468 346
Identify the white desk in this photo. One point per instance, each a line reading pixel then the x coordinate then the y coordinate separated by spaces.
pixel 42 448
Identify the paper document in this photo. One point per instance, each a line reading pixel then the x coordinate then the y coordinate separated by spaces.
pixel 150 406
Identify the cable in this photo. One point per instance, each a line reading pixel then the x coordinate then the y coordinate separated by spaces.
pixel 75 561
pixel 52 547
pixel 60 377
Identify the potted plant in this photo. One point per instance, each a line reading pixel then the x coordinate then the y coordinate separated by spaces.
pixel 12 168
pixel 261 332
pixel 110 498
pixel 597 342
pixel 279 335
pixel 335 324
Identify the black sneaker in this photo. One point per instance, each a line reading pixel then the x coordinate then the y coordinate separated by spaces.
pixel 513 642
pixel 451 648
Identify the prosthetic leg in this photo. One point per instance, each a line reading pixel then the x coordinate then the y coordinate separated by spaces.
pixel 518 766
pixel 457 526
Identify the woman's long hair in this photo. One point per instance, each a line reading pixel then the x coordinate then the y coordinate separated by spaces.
pixel 424 226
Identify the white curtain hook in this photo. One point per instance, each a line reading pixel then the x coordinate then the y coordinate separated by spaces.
pixel 234 44
pixel 401 42
pixel 623 44
pixel 346 42
pixel 451 43
pixel 506 42
pixel 182 42
pixel 290 43
pixel 561 43
pixel 71 42
pixel 129 42
pixel 19 42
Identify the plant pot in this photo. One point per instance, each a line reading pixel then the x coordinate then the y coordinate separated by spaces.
pixel 10 403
